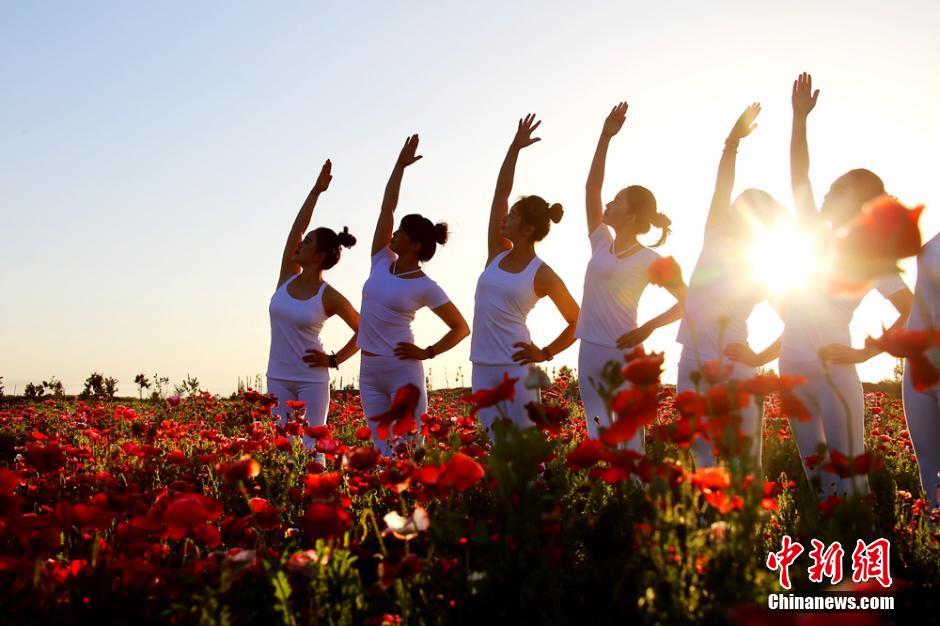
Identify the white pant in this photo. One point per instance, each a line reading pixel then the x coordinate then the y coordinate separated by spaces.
pixel 751 415
pixel 315 394
pixel 379 378
pixel 922 412
pixel 592 358
pixel 489 377
pixel 828 423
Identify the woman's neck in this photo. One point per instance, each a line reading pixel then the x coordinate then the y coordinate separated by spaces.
pixel 407 263
pixel 311 275
pixel 624 239
pixel 523 249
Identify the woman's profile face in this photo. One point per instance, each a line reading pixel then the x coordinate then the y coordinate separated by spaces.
pixel 512 225
pixel 617 212
pixel 306 250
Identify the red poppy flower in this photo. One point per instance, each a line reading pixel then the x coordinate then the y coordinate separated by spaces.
pixel 321 485
pixel 460 473
pixel 268 517
pixel 585 455
pixel 885 229
pixel 903 343
pixel 47 458
pixel 323 520
pixel 400 417
pixel 872 243
pixel 482 398
pixel 924 375
pixel 634 408
pixel 243 469
pixel 547 417
pixel 761 384
pixel 643 369
pixel 665 272
pixel 711 478
pixel 188 510
pixel 791 406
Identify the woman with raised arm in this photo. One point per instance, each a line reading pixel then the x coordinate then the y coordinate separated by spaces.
pixel 615 278
pixel 396 288
pixel 298 363
pixel 722 296
pixel 816 342
pixel 513 280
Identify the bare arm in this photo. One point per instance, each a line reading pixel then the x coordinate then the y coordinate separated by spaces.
pixel 595 181
pixel 496 243
pixel 386 221
pixel 724 182
pixel 301 222
pixel 547 283
pixel 903 301
pixel 334 303
pixel 670 315
pixel 804 100
pixel 743 353
pixel 459 330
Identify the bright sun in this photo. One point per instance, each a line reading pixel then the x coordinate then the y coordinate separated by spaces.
pixel 782 257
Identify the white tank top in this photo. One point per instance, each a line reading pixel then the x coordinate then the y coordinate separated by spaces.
pixel 500 306
pixel 389 303
pixel 612 290
pixel 295 328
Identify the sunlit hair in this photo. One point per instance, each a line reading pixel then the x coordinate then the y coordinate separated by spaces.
pixel 534 211
pixel 423 231
pixel 861 185
pixel 641 203
pixel 758 209
pixel 331 243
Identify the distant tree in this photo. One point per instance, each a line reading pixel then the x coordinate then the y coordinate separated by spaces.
pixel 97 386
pixel 189 386
pixel 32 391
pixel 142 383
pixel 55 387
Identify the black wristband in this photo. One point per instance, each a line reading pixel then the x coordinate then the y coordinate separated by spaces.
pixel 333 362
pixel 431 353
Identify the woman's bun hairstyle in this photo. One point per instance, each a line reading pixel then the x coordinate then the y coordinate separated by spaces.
pixel 329 242
pixel 425 232
pixel 345 238
pixel 441 233
pixel 642 204
pixel 537 213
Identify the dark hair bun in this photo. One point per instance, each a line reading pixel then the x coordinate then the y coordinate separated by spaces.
pixel 345 239
pixel 555 212
pixel 441 233
pixel 659 220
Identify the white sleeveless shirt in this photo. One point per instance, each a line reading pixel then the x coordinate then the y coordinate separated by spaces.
pixel 295 328
pixel 389 303
pixel 500 306
pixel 612 290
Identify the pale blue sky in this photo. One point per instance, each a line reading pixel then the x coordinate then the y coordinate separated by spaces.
pixel 154 157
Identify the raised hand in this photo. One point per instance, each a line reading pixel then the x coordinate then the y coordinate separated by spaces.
pixel 408 152
pixel 323 180
pixel 803 97
pixel 615 119
pixel 745 124
pixel 527 126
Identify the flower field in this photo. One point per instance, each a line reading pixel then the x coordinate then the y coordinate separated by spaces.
pixel 204 511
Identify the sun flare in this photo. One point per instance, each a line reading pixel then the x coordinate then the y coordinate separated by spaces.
pixel 783 258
